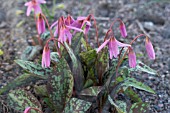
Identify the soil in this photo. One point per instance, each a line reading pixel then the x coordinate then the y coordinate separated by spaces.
pixel 151 17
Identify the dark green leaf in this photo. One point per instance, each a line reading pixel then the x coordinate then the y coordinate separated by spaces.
pixel 77 106
pixel 31 52
pixel 41 90
pixel 139 107
pixel 22 80
pixel 119 110
pixel 34 68
pixel 20 99
pixel 76 69
pixel 91 91
pixel 60 85
pixel 144 68
pixel 131 82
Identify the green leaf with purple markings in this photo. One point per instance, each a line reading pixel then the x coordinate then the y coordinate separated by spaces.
pixel 60 85
pixel 20 99
pixel 91 91
pixel 76 105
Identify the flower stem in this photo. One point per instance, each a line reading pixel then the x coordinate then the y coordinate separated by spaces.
pixel 39 39
pixel 121 59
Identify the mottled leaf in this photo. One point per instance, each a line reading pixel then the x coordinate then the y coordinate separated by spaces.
pixel 20 99
pixel 133 96
pixel 119 110
pixel 34 68
pixel 41 90
pixel 139 107
pixel 91 91
pixel 101 64
pixel 22 80
pixel 131 82
pixel 144 68
pixel 76 69
pixel 60 85
pixel 77 106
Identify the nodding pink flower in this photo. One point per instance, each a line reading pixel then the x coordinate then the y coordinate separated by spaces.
pixel 34 4
pixel 113 45
pixel 132 58
pixel 81 21
pixel 65 33
pixel 149 48
pixel 46 57
pixel 40 24
pixel 27 110
pixel 123 30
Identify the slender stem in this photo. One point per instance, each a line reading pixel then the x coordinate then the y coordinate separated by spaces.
pixel 36 109
pixel 39 39
pixel 51 34
pixel 96 28
pixel 121 60
pixel 114 22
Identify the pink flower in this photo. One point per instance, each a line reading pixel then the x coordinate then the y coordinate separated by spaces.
pixel 149 48
pixel 113 45
pixel 81 21
pixel 40 24
pixel 123 30
pixel 132 58
pixel 46 57
pixel 27 110
pixel 34 4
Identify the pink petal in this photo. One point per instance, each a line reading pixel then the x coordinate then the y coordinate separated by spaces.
pixel 114 47
pixel 149 49
pixel 120 44
pixel 27 110
pixel 77 29
pixel 41 25
pixel 132 58
pixel 28 3
pixel 55 23
pixel 29 10
pixel 41 1
pixel 69 35
pixel 123 30
pixel 104 44
pixel 81 18
pixel 37 9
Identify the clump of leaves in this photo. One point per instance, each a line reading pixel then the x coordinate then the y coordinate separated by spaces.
pixel 76 77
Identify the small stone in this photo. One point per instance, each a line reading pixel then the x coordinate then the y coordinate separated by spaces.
pixel 149 26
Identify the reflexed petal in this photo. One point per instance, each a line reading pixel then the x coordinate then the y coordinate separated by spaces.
pixel 120 44
pixel 74 28
pixel 41 25
pixel 86 29
pixel 28 3
pixel 55 23
pixel 104 44
pixel 41 1
pixel 123 30
pixel 27 110
pixel 81 18
pixel 29 10
pixel 149 49
pixel 132 58
pixel 46 57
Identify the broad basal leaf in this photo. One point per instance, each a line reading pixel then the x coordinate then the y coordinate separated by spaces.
pixel 131 82
pixel 31 52
pixel 20 99
pixel 60 85
pixel 41 90
pixel 22 80
pixel 91 91
pixel 76 69
pixel 76 105
pixel 119 110
pixel 34 68
pixel 139 107
pixel 144 68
